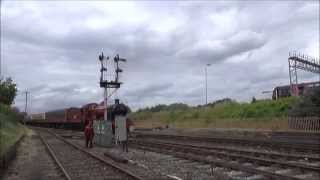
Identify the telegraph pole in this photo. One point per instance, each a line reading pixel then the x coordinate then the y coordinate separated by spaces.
pixel 25 107
pixel 0 70
pixel 206 83
pixel 0 66
pixel 0 48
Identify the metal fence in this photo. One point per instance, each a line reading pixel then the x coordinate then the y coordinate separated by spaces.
pixel 307 123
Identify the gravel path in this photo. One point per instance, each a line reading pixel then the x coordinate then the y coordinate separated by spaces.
pixel 33 162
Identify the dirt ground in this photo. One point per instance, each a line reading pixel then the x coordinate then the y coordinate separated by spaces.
pixel 32 162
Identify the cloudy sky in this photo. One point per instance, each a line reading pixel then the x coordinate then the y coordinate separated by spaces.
pixel 50 48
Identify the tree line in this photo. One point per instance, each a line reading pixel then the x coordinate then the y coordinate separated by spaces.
pixel 307 105
pixel 182 106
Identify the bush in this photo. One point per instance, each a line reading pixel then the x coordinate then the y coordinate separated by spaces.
pixel 308 105
pixel 11 114
pixel 4 109
pixel 8 91
pixel 10 129
pixel 224 109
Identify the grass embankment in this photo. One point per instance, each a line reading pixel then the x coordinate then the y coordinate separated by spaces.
pixel 263 114
pixel 10 128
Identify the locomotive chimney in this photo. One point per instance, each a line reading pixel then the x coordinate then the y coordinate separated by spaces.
pixel 116 101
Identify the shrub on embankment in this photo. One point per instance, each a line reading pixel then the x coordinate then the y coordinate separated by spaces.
pixel 10 128
pixel 308 105
pixel 225 114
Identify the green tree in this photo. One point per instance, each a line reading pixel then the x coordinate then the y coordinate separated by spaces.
pixel 8 91
pixel 253 99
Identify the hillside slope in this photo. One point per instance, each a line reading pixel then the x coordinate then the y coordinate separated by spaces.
pixel 10 129
pixel 264 114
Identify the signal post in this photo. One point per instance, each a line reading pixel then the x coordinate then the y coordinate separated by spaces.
pixel 104 129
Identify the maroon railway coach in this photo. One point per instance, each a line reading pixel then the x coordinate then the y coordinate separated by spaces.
pixel 73 118
pixel 70 118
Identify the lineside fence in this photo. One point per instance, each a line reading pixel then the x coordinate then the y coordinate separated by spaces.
pixel 311 123
pixel 306 118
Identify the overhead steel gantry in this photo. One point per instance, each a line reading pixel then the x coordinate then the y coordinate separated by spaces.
pixel 303 62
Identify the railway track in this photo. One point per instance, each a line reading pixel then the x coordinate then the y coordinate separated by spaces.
pixel 77 163
pixel 267 144
pixel 250 165
pixel 308 159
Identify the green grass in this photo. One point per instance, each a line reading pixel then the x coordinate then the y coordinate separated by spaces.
pixel 10 129
pixel 263 113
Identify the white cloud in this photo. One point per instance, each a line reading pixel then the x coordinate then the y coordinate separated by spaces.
pixel 51 48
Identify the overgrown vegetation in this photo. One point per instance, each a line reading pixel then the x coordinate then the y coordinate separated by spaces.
pixel 163 107
pixel 221 113
pixel 220 109
pixel 10 129
pixel 308 105
pixel 8 91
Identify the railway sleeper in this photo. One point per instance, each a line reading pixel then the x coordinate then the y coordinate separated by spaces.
pixel 234 165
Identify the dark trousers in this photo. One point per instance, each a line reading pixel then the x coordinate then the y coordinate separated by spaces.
pixel 124 146
pixel 89 142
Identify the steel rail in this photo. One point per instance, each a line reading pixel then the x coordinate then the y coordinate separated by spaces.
pixel 240 151
pixel 304 147
pixel 127 172
pixel 184 154
pixel 232 155
pixel 221 164
pixel 52 154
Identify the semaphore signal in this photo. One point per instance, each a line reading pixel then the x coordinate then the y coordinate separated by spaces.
pixel 104 82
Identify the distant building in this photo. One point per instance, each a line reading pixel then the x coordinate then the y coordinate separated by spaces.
pixel 37 116
pixel 303 89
